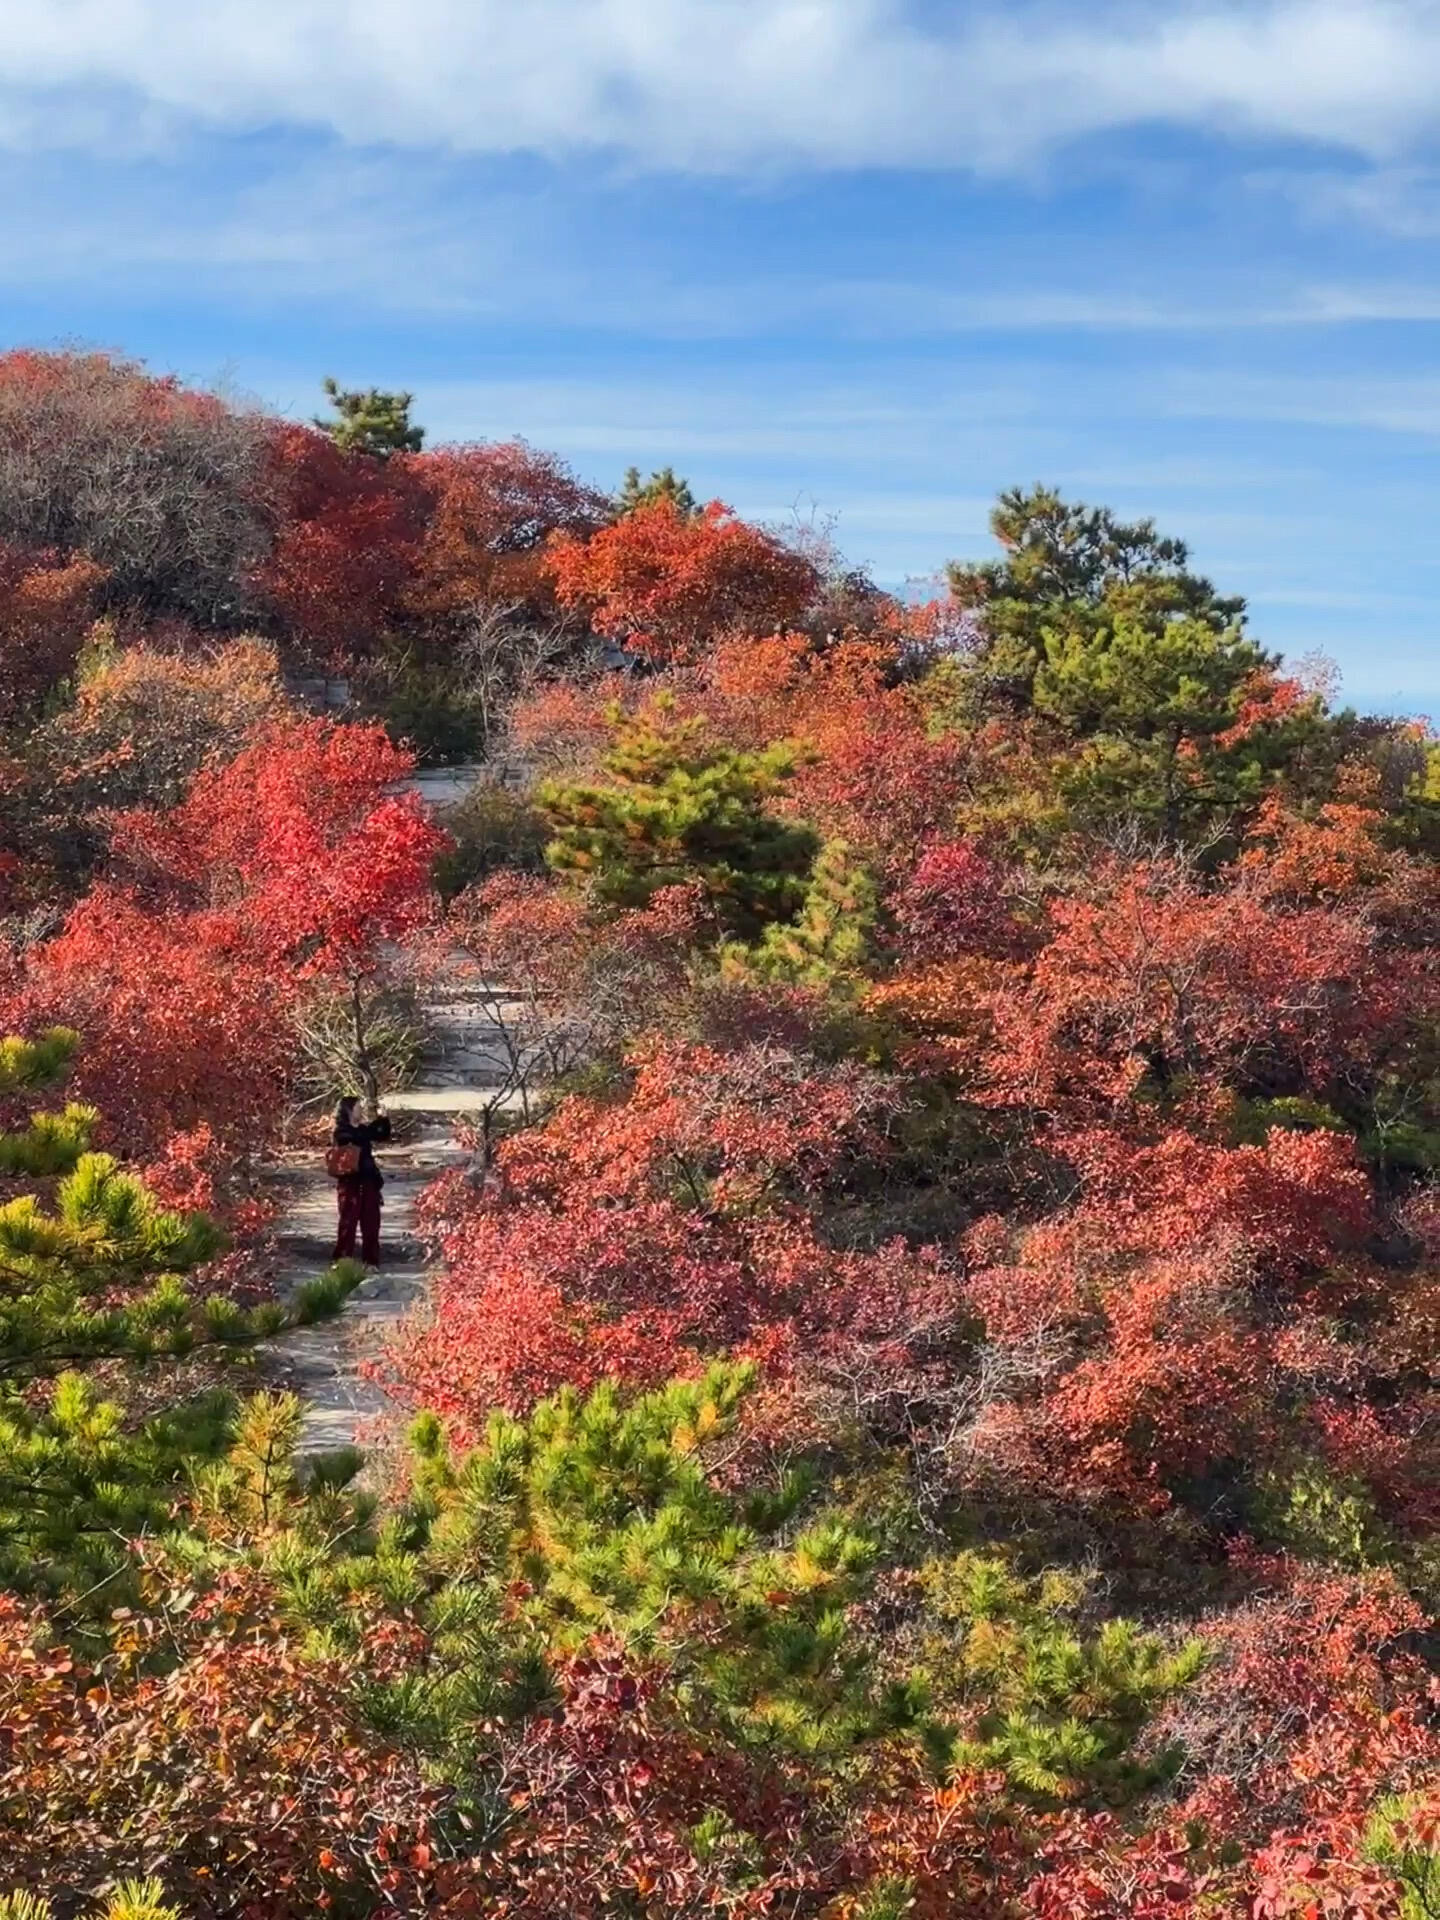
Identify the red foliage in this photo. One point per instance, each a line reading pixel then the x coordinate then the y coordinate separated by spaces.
pixel 872 770
pixel 565 729
pixel 953 903
pixel 34 374
pixel 1178 1386
pixel 635 1236
pixel 1296 1201
pixel 46 604
pixel 491 509
pixel 293 859
pixel 612 1792
pixel 1173 1284
pixel 365 548
pixel 162 486
pixel 1317 1702
pixel 183 1023
pixel 1196 1094
pixel 669 584
pixel 348 537
pixel 1268 700
pixel 244 1766
pixel 198 1173
pixel 1154 977
pixel 304 830
pixel 1336 855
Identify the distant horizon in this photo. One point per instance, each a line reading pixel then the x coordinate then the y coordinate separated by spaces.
pixel 884 260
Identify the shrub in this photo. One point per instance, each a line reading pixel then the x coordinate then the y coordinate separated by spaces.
pixel 492 828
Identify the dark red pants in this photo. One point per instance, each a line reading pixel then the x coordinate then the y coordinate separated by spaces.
pixel 359 1212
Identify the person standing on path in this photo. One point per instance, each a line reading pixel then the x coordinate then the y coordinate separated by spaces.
pixel 358 1192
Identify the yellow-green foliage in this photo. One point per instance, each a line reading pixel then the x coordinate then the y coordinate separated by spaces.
pixel 827 943
pixel 1018 1687
pixel 27 1064
pixel 51 1144
pixel 1396 1840
pixel 95 1270
pixel 131 1900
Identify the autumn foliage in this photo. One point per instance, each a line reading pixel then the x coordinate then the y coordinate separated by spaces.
pixel 669 583
pixel 924 1401
pixel 45 609
pixel 289 864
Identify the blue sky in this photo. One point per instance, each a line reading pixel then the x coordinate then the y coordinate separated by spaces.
pixel 872 259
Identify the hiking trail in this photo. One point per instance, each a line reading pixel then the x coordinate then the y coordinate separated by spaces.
pixel 458 1073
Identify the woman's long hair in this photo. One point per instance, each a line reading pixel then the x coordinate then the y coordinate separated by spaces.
pixel 345 1112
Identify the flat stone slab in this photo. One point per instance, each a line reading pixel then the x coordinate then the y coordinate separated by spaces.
pixel 443 786
pixel 456 1100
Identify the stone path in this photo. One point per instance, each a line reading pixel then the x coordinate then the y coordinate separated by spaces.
pixel 459 1072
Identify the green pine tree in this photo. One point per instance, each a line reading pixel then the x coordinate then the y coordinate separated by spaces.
pixel 664 484
pixel 1066 564
pixel 828 942
pixel 95 1274
pixel 674 809
pixel 1100 626
pixel 1017 1688
pixel 372 421
pixel 1154 706
pixel 604 1511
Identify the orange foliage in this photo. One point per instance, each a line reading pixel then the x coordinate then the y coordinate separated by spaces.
pixel 669 584
pixel 46 605
pixel 491 510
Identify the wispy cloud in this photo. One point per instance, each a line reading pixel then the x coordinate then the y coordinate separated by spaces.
pixel 1402 404
pixel 433 238
pixel 893 253
pixel 724 84
pixel 1402 202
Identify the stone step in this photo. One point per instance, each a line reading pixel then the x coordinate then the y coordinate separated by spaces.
pixel 480 993
pixel 470 1079
pixel 478 1025
pixel 484 1060
pixel 481 1034
pixel 467 1099
pixel 443 786
pixel 490 1069
pixel 473 1053
pixel 467 1078
pixel 442 1036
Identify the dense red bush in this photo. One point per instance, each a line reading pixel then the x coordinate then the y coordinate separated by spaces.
pixel 632 1236
pixel 348 536
pixel 491 509
pixel 669 583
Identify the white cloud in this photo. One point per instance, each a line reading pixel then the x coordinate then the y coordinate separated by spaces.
pixel 1399 404
pixel 1400 201
pixel 436 239
pixel 723 84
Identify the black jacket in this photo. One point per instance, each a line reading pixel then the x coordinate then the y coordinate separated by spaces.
pixel 364 1134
